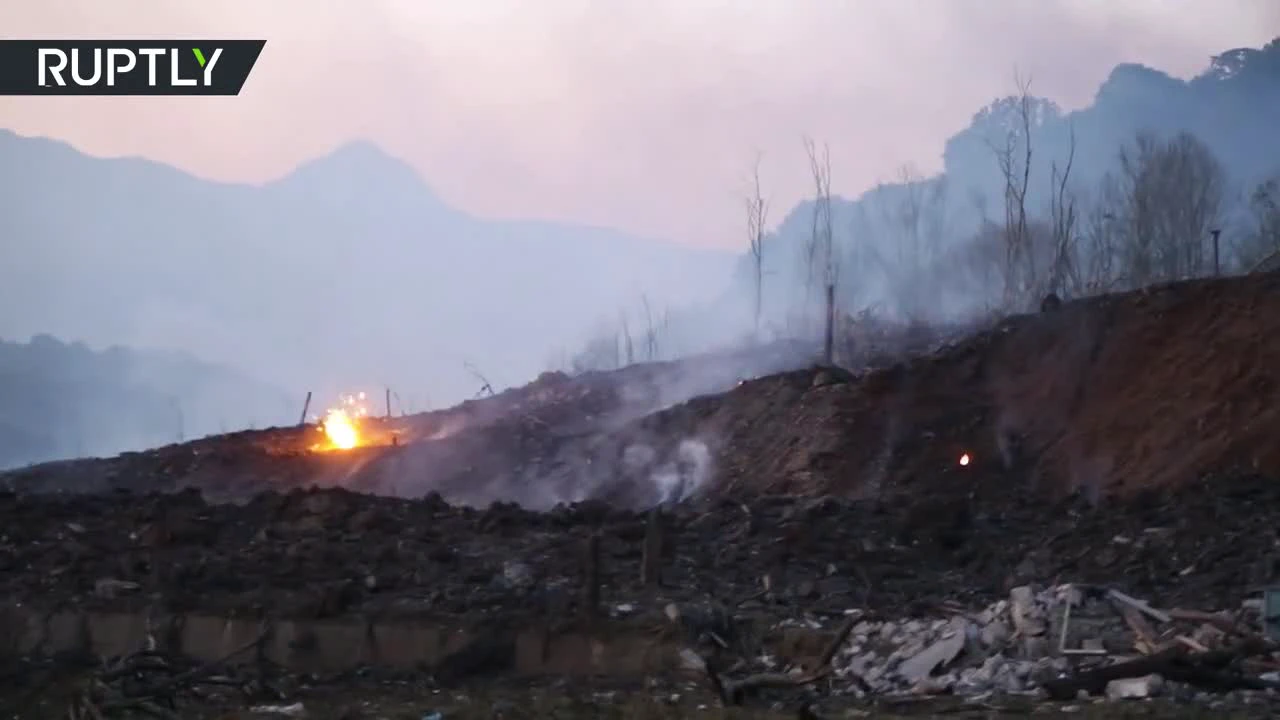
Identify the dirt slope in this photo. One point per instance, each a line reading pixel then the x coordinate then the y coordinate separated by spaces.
pixel 1105 396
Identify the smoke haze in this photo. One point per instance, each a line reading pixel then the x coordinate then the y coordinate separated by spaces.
pixel 439 197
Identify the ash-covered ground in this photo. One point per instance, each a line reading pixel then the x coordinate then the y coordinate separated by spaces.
pixel 1129 442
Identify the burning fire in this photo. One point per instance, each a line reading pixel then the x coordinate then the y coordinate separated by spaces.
pixel 340 429
pixel 964 459
pixel 340 424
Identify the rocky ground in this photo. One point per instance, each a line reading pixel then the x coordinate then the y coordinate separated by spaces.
pixel 333 551
pixel 965 597
pixel 1122 469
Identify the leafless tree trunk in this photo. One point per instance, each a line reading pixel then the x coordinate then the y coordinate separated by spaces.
pixel 1171 195
pixel 914 220
pixel 987 271
pixel 757 217
pixel 1064 274
pixel 1260 245
pixel 1013 156
pixel 1100 253
pixel 821 249
pixel 829 336
pixel 627 343
pixel 486 387
pixel 650 331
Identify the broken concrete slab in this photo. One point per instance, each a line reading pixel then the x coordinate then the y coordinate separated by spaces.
pixel 942 652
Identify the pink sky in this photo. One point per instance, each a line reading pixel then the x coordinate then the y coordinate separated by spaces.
pixel 643 115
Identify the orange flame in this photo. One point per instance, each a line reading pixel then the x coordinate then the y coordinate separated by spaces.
pixel 341 424
pixel 964 459
pixel 340 429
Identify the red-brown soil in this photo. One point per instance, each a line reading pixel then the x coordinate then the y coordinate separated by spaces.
pixel 1105 396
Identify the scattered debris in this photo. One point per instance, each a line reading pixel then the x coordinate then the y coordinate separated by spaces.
pixel 920 578
pixel 292 710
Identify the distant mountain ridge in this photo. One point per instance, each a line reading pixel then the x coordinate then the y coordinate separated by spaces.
pixel 60 400
pixel 349 270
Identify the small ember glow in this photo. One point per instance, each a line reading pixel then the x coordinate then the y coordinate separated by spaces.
pixel 964 459
pixel 341 429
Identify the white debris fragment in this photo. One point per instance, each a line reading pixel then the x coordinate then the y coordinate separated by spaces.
pixel 294 710
pixel 1134 688
pixel 692 660
pixel 922 664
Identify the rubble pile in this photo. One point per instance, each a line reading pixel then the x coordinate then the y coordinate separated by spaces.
pixel 1041 641
pixel 962 655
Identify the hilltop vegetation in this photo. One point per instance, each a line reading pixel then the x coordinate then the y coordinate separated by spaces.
pixel 1033 199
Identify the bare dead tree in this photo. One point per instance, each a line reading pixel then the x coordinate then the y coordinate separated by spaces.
pixel 1064 274
pixel 979 257
pixel 821 247
pixel 935 218
pixel 1013 156
pixel 980 262
pixel 811 246
pixel 650 331
pixel 1100 253
pixel 1171 195
pixel 629 348
pixel 757 217
pixel 1259 246
pixel 486 388
pixel 913 219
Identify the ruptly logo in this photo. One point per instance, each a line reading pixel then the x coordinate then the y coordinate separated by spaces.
pixel 126 67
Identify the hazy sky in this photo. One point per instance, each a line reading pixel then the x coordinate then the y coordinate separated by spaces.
pixel 638 114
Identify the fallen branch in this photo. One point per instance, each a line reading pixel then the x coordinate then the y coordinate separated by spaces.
pixel 1145 642
pixel 1218 620
pixel 1205 670
pixel 842 634
pixel 1139 605
pixel 208 667
pixel 1264 262
pixel 735 692
pixel 144 700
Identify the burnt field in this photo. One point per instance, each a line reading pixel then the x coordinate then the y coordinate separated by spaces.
pixel 1106 397
pixel 1128 442
pixel 324 553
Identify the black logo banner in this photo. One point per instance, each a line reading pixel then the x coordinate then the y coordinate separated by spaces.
pixel 126 67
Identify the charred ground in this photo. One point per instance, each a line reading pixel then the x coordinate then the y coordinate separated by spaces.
pixel 1106 397
pixel 1128 440
pixel 1156 407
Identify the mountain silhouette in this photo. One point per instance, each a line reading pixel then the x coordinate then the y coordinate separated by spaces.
pixel 347 272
